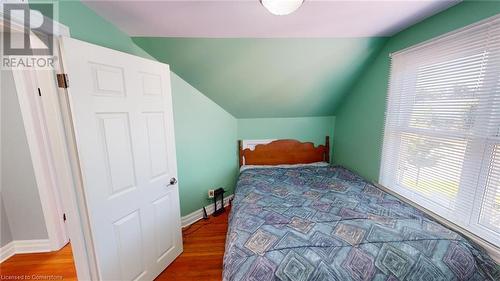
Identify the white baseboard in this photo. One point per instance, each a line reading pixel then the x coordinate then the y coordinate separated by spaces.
pixel 7 251
pixel 24 247
pixel 197 215
pixel 32 246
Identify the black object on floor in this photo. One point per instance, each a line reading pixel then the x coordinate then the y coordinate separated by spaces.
pixel 205 216
pixel 218 201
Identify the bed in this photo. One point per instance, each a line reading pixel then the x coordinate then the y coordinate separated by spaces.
pixel 320 222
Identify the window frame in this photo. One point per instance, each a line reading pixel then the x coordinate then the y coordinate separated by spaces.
pixel 474 162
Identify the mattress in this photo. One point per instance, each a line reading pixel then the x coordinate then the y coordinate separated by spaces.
pixel 327 223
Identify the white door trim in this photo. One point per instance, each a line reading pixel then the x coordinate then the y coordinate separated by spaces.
pixel 38 144
pixel 77 226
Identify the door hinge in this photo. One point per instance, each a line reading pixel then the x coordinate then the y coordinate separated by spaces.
pixel 62 80
pixel 39 92
pixel 64 217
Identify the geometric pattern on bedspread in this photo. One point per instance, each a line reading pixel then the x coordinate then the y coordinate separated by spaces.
pixel 327 223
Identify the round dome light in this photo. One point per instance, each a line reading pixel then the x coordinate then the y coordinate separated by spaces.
pixel 281 7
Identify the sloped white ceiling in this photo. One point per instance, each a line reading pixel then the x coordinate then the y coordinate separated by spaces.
pixel 249 19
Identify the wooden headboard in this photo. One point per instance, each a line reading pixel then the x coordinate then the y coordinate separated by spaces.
pixel 281 152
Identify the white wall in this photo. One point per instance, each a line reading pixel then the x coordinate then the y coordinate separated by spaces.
pixel 5 234
pixel 22 209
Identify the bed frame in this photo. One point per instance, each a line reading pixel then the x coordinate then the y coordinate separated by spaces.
pixel 286 151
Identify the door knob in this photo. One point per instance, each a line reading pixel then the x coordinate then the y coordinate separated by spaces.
pixel 172 181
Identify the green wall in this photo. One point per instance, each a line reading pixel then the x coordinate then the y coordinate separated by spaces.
pixel 205 133
pixel 360 116
pixel 267 77
pixel 301 128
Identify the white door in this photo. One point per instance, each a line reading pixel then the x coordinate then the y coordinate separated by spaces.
pixel 123 123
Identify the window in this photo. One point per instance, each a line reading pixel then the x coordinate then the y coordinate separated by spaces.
pixel 442 130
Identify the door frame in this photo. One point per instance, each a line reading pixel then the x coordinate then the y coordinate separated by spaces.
pixel 56 201
pixel 43 168
pixel 37 139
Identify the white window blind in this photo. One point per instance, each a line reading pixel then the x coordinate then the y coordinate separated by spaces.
pixel 442 130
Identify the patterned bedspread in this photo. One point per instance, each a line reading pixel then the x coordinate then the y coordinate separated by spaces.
pixel 327 223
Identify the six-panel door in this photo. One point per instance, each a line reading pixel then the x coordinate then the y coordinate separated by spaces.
pixel 122 116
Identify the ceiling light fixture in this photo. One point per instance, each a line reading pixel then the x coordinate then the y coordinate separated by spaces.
pixel 281 7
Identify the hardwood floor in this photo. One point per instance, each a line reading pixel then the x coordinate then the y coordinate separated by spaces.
pixel 57 264
pixel 204 244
